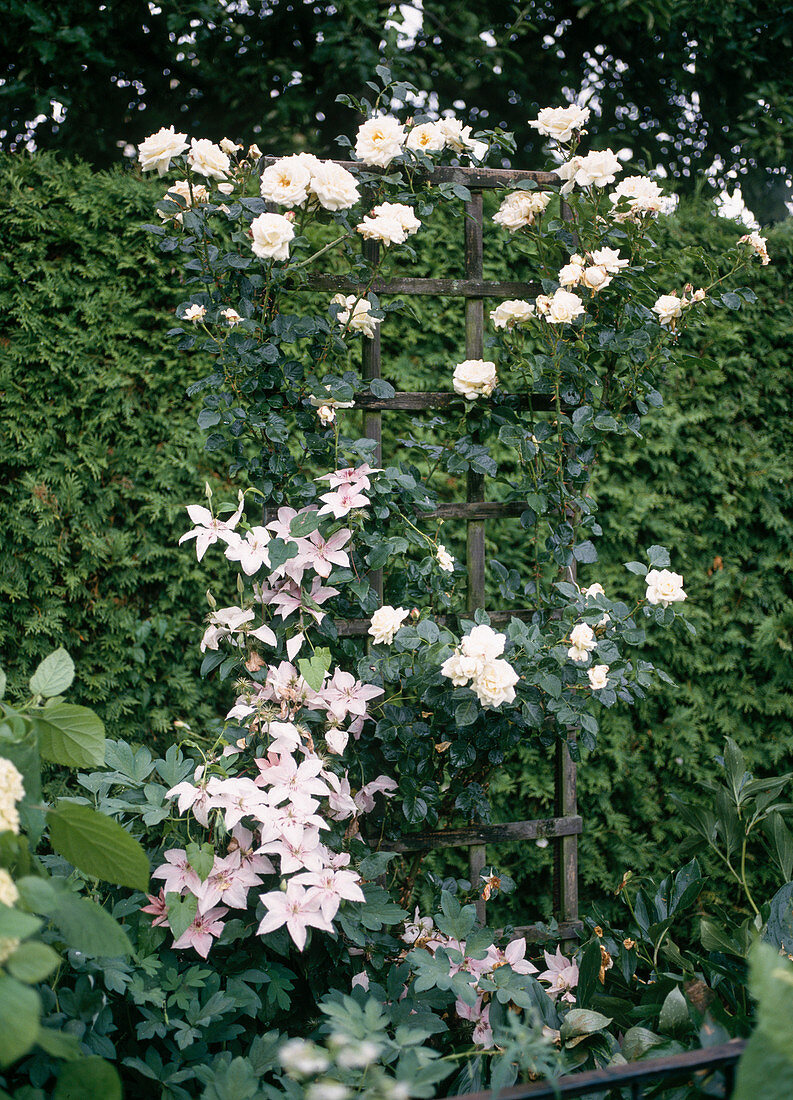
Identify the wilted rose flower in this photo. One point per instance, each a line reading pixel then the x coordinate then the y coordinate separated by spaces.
pixel 158 150
pixel 598 677
pixel 326 414
pixel 208 159
pixel 379 140
pixel 426 138
pixel 511 313
pixel 334 187
pixel 229 146
pixel 664 587
pixel 563 308
pixel 758 246
pixel 560 122
pixel 271 236
pixel 475 378
pixel 386 621
pixel 286 182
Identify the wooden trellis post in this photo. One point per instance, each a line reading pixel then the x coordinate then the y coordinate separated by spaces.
pixel 564 828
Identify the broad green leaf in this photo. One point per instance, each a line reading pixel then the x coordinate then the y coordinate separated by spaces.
pixel 16 925
pixel 779 930
pixel 583 1021
pixel 20 1010
pixel 91 1076
pixel 201 858
pixel 303 524
pixel 54 675
pixel 97 845
pixel 674 1012
pixel 313 669
pixel 638 1041
pixel 181 912
pixel 83 925
pixel 70 735
pixel 60 1044
pixel 32 962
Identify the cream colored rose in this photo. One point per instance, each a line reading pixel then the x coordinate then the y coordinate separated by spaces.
pixel 452 669
pixel 511 313
pixel 560 122
pixel 158 150
pixel 641 195
pixel 444 559
pixel 379 140
pixel 286 182
pixel 194 313
pixel 582 642
pixel 456 134
pixel 271 236
pixel 758 245
pixel 475 378
pixel 595 278
pixel 387 230
pixel 400 212
pixel 599 168
pixel 542 303
pixel 230 316
pixel 668 308
pixel 610 259
pixel 334 187
pixel 572 273
pixel 598 677
pixel 426 138
pixel 521 208
pixel 664 587
pixel 225 189
pixel 495 683
pixel 386 621
pixel 361 319
pixel 180 193
pixel 9 895
pixel 564 307
pixel 326 414
pixel 595 589
pixel 483 643
pixel 208 159
pixel 229 146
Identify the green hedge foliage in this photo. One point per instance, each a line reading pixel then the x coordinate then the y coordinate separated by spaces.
pixel 98 449
pixel 99 452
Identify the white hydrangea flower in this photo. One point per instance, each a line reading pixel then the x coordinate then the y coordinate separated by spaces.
pixel 521 208
pixel 386 621
pixel 664 587
pixel 271 236
pixel 582 642
pixel 208 159
pixel 475 378
pixel 510 313
pixel 563 308
pixel 560 122
pixel 286 182
pixel 426 138
pixel 361 319
pixel 158 150
pixel 380 140
pixel 598 677
pixel 333 186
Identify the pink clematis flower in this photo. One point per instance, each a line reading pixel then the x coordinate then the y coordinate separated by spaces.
pixel 192 798
pixel 351 475
pixel 340 502
pixel 158 907
pixel 331 887
pixel 513 955
pixel 228 882
pixel 322 554
pixel 297 908
pixel 344 695
pixel 289 778
pixel 307 854
pixel 177 873
pixel 364 799
pixel 208 529
pixel 238 797
pixel 205 928
pixel 250 551
pixel 242 842
pixel 561 975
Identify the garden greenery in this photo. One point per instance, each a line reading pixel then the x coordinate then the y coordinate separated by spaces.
pixel 268 834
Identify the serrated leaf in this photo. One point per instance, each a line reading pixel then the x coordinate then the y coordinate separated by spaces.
pixel 70 735
pixel 54 675
pixel 97 845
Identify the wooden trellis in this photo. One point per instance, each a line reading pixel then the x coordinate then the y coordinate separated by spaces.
pixel 565 826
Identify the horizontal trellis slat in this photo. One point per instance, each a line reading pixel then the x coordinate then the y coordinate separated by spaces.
pixel 413 401
pixel 436 288
pixel 470 835
pixel 478 509
pixel 349 628
pixel 475 179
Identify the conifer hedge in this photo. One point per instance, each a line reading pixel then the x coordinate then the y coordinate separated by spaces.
pixel 99 454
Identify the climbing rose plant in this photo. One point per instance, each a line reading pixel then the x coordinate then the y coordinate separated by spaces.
pixel 333 745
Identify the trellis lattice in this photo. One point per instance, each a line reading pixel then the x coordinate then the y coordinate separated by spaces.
pixel 566 825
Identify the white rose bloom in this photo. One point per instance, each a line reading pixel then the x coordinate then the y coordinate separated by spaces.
pixel 572 273
pixel 521 208
pixel 158 150
pixel 475 378
pixel 400 212
pixel 254 152
pixel 758 245
pixel 511 313
pixel 664 587
pixel 610 259
pixel 642 195
pixel 362 320
pixel 271 236
pixel 668 307
pixel 231 316
pixel 598 677
pixel 286 182
pixel 379 140
pixel 595 589
pixel 387 230
pixel 184 197
pixel 495 683
pixel 225 189
pixel 582 639
pixel 600 168
pixel 9 895
pixel 456 134
pixel 595 278
pixel 386 621
pixel 426 138
pixel 208 159
pixel 563 308
pixel 334 187
pixel 326 414
pixel 229 146
pixel 453 670
pixel 560 122
pixel 194 313
pixel 444 559
pixel 483 643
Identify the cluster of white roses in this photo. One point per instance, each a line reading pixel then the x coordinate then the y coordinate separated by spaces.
pixel 382 139
pixel 11 792
pixel 476 663
pixel 521 208
pixel 669 308
pixel 301 178
pixel 204 156
pixel 355 314
pixel 390 223
pixel 594 270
